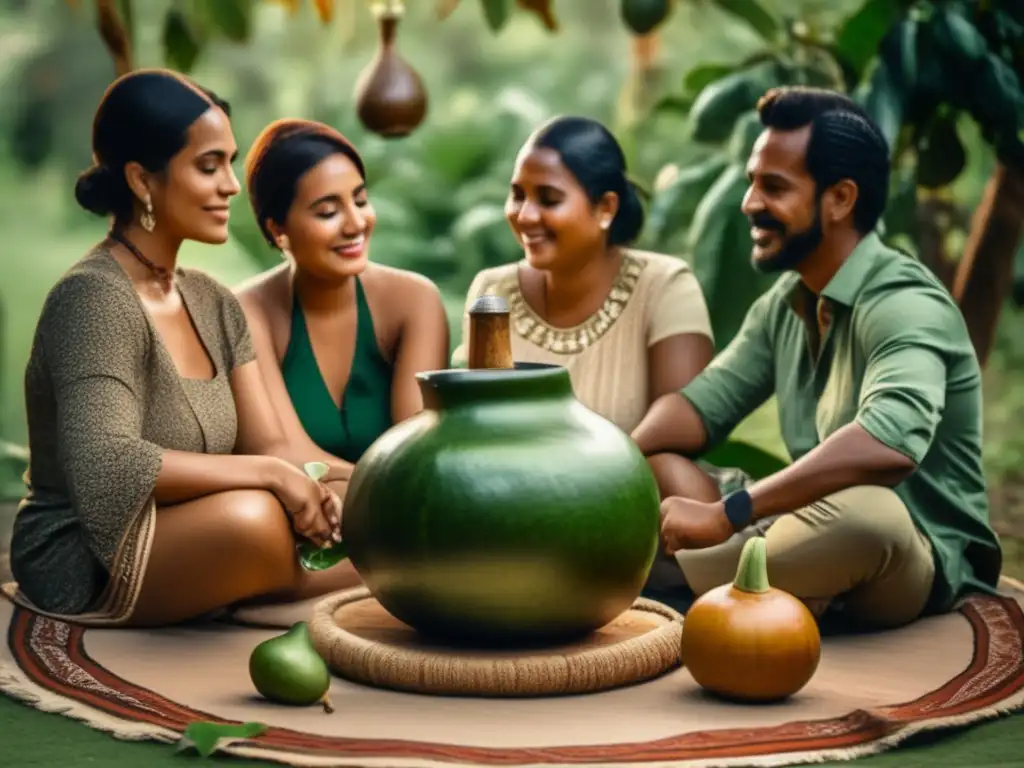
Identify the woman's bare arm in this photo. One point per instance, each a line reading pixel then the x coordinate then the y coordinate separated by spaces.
pixel 423 342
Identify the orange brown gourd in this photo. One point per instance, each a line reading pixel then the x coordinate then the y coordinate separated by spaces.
pixel 748 641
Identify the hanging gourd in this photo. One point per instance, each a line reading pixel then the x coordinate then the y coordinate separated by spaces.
pixel 390 97
pixel 748 641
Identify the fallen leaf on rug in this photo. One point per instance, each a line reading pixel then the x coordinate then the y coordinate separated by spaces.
pixel 207 738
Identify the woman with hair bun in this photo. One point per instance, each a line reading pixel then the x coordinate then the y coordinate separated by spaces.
pixel 629 325
pixel 338 337
pixel 160 486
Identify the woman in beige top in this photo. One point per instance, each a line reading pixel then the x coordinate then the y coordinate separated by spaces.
pixel 160 484
pixel 628 325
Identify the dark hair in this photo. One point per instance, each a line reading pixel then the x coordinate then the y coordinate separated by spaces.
pixel 143 117
pixel 281 155
pixel 594 157
pixel 845 143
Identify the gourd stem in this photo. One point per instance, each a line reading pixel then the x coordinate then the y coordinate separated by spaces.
pixel 325 702
pixel 752 571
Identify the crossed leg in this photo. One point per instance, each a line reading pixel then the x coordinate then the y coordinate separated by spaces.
pixel 224 549
pixel 859 545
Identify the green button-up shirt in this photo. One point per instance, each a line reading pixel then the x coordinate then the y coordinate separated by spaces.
pixel 896 358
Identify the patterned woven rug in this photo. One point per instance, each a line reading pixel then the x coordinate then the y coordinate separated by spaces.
pixel 870 693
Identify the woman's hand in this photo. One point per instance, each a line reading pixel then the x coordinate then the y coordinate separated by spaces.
pixel 312 506
pixel 330 501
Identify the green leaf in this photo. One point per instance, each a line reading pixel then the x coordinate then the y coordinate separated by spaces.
pixel 207 738
pixel 181 45
pixel 232 18
pixel 704 74
pixel 997 100
pixel 497 13
pixel 737 454
pixel 900 215
pixel 862 32
pixel 312 558
pixel 745 133
pixel 908 54
pixel 884 102
pixel 958 38
pixel 899 51
pixel 316 469
pixel 673 105
pixel 719 246
pixel 754 14
pixel 719 105
pixel 674 207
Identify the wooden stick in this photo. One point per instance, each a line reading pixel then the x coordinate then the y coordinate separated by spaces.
pixel 490 337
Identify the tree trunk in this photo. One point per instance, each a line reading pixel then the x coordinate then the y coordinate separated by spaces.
pixel 114 32
pixel 984 278
pixel 639 91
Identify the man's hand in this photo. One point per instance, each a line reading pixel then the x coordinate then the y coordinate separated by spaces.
pixel 689 524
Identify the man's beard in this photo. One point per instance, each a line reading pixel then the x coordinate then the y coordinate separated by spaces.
pixel 794 249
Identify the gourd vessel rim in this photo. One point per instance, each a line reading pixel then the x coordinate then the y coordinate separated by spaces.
pixel 525 380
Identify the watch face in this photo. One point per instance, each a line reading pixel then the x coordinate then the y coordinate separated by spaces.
pixel 738 509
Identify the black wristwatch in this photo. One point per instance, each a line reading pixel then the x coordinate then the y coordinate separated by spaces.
pixel 739 508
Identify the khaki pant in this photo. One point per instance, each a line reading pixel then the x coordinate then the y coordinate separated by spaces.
pixel 858 547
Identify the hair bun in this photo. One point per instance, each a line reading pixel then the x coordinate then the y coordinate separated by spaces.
pixel 96 190
pixel 629 221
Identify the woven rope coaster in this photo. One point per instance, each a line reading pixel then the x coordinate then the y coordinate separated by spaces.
pixel 362 642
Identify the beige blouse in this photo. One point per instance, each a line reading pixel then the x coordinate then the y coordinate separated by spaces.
pixel 654 296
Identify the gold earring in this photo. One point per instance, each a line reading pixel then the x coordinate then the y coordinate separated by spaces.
pixel 284 245
pixel 147 220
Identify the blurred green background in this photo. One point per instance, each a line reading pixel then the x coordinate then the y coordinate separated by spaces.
pixel 679 98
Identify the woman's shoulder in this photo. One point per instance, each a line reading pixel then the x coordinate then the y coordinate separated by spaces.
pixel 656 266
pixel 91 313
pixel 200 281
pixel 95 283
pixel 212 301
pixel 266 292
pixel 672 298
pixel 405 283
pixel 212 294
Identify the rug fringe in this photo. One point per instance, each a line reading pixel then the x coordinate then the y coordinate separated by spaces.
pixel 1010 706
pixel 16 686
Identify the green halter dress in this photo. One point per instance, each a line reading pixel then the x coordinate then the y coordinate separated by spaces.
pixel 365 412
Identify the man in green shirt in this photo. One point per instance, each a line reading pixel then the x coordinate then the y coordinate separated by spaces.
pixel 884 510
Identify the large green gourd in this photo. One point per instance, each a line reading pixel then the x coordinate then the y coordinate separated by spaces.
pixel 504 513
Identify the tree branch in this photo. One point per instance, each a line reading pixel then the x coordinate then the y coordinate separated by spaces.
pixel 115 36
pixel 984 278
